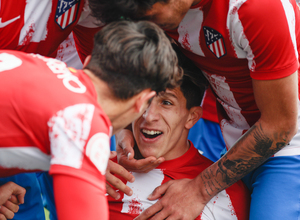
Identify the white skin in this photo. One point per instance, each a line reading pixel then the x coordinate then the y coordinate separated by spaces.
pixel 162 130
pixel 277 101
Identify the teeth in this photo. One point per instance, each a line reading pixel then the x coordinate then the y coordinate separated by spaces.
pixel 151 132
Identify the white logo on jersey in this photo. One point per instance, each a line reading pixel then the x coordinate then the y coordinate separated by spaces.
pixel 98 151
pixel 70 81
pixel 9 61
pixel 5 23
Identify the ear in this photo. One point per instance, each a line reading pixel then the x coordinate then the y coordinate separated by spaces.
pixel 143 98
pixel 194 115
pixel 87 60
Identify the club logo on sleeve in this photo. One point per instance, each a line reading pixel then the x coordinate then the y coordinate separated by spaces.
pixel 98 151
pixel 215 42
pixel 66 12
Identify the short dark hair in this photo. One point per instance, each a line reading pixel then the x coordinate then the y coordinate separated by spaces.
pixel 194 83
pixel 114 10
pixel 133 56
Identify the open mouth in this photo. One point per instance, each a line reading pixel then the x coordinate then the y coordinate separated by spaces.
pixel 150 133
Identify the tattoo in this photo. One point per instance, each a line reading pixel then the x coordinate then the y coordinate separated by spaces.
pixel 233 170
pixel 257 147
pixel 263 144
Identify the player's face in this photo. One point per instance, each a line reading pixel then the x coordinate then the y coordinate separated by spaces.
pixel 168 15
pixel 158 132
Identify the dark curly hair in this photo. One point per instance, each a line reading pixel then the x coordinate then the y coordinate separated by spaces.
pixel 114 10
pixel 194 83
pixel 133 56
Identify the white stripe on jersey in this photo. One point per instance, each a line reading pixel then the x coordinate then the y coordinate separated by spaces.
pixel 189 30
pixel 290 15
pixel 36 18
pixel 231 129
pixel 142 187
pixel 219 207
pixel 239 41
pixel 28 158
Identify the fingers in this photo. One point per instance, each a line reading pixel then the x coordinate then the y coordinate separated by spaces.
pixel 14 200
pixel 156 210
pixel 8 214
pixel 117 183
pixel 159 191
pixel 9 189
pixel 11 206
pixel 113 193
pixel 125 143
pixel 112 154
pixel 114 181
pixel 142 165
pixel 2 217
pixel 151 211
pixel 119 170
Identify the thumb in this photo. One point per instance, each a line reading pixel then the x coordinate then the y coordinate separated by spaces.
pixel 112 154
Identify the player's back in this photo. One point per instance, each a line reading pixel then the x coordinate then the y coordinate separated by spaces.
pixel 32 90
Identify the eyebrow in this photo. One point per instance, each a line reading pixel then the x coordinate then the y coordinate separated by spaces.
pixel 166 94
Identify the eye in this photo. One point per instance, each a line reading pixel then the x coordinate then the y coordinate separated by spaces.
pixel 166 102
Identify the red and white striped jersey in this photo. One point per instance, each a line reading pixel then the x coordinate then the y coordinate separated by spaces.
pixel 232 46
pixel 41 26
pixel 231 204
pixel 50 119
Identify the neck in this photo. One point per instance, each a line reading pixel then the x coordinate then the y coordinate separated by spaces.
pixel 115 109
pixel 180 149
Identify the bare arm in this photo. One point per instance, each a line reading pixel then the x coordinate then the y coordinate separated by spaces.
pixel 278 103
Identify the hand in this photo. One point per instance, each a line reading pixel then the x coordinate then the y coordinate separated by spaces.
pixel 114 168
pixel 125 151
pixel 180 201
pixel 11 196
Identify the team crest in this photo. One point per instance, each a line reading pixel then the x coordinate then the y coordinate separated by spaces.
pixel 66 12
pixel 214 42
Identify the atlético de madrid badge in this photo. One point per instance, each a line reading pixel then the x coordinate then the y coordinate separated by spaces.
pixel 214 42
pixel 66 12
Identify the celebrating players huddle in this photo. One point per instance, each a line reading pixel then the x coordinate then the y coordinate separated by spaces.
pixel 146 68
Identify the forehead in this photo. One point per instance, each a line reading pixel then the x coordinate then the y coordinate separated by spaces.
pixel 172 93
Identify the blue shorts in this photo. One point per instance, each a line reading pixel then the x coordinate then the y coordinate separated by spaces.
pixel 46 185
pixel 33 208
pixel 275 189
pixel 207 137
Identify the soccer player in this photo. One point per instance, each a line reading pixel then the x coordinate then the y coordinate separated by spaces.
pixel 63 120
pixel 162 131
pixel 43 27
pixel 249 52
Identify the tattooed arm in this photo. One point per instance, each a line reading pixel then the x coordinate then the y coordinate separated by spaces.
pixel 278 103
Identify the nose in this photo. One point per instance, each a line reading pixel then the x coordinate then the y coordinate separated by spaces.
pixel 151 113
